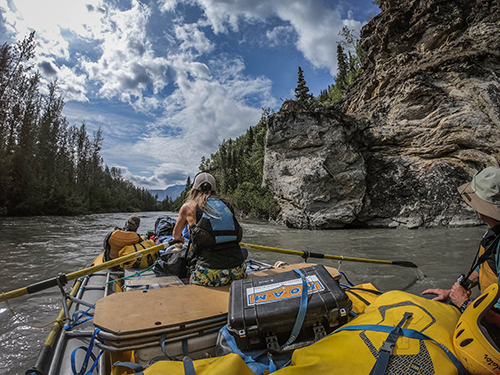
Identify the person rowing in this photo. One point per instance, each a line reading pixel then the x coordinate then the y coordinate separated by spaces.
pixel 477 336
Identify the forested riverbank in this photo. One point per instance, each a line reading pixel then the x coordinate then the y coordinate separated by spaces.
pixel 48 166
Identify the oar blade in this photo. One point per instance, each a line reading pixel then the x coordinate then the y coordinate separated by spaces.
pixel 404 263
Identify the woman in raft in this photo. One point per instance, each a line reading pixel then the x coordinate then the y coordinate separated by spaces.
pixel 214 233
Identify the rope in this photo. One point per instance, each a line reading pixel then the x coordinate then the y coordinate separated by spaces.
pixel 134 274
pixel 18 317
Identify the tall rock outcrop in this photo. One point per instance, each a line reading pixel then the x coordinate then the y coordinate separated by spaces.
pixel 422 118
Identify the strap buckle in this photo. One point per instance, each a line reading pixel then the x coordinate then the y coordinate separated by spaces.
pixel 387 347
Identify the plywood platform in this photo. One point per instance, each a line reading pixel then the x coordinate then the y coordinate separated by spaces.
pixel 175 306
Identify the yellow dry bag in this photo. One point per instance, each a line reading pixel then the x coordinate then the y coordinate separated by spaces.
pixel 362 296
pixel 421 330
pixel 143 261
pixel 230 364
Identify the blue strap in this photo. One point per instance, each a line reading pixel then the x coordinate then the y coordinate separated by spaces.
pixel 302 311
pixel 185 351
pixel 189 368
pixel 407 332
pixel 88 355
pixel 387 347
pixel 272 367
pixel 74 322
pixel 137 369
pixel 162 344
pixel 256 367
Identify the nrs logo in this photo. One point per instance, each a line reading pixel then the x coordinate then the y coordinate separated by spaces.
pixel 491 362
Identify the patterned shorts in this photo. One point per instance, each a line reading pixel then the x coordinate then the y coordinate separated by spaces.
pixel 212 277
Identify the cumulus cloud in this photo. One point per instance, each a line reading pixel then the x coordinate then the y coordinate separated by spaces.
pixel 191 95
pixel 192 38
pixel 317 26
pixel 127 65
pixel 281 35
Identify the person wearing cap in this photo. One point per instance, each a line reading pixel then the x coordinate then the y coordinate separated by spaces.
pixel 214 234
pixel 482 194
pixel 132 224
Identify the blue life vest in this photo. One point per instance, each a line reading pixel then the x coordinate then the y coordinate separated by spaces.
pixel 216 235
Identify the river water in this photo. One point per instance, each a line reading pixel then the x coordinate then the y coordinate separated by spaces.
pixel 37 248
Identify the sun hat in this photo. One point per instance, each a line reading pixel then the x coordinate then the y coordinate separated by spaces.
pixel 483 192
pixel 133 222
pixel 203 177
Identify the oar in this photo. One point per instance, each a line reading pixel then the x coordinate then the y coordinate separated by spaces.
pixel 63 279
pixel 308 254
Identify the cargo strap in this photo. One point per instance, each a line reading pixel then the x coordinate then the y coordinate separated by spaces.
pixel 189 368
pixel 302 311
pixel 256 367
pixel 75 319
pixel 410 333
pixel 88 355
pixel 387 347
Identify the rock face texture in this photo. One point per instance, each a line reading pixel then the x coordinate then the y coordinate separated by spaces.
pixel 423 118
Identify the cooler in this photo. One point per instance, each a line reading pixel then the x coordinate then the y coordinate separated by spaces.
pixel 263 310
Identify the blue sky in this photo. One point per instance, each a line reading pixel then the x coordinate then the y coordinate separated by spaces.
pixel 169 80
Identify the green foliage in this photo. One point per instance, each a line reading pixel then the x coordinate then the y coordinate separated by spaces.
pixel 302 94
pixel 46 166
pixel 238 167
pixel 348 67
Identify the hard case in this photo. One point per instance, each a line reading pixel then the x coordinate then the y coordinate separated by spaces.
pixel 263 310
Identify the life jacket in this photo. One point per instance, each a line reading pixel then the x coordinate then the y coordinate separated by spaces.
pixel 215 237
pixel 116 240
pixel 488 273
pixel 422 345
pixel 143 261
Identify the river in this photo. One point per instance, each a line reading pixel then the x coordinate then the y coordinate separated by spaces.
pixel 37 248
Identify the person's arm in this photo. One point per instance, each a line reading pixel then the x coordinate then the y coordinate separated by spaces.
pixel 187 215
pixel 180 224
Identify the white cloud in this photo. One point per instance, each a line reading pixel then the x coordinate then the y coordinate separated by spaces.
pixel 316 25
pixel 192 38
pixel 95 49
pixel 127 65
pixel 280 35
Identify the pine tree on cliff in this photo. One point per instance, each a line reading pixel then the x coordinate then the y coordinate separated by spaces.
pixel 342 68
pixel 302 94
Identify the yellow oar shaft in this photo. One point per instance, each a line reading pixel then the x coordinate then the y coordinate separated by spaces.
pixel 307 254
pixel 74 275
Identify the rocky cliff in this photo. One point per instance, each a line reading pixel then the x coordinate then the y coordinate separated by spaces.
pixel 422 119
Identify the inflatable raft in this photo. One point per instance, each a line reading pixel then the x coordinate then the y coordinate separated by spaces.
pixel 296 319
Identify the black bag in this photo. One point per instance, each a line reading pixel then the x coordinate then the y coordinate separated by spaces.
pixel 164 226
pixel 174 263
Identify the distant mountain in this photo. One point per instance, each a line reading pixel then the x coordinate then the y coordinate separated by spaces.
pixel 172 192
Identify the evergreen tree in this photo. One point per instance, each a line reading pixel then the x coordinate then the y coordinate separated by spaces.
pixel 342 68
pixel 302 94
pixel 46 166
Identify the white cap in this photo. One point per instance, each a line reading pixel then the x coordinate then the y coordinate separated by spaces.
pixel 203 177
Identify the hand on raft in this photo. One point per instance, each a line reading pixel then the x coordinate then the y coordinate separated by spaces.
pixel 441 294
pixel 457 294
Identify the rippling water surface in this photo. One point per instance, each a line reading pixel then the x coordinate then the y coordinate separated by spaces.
pixel 37 248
